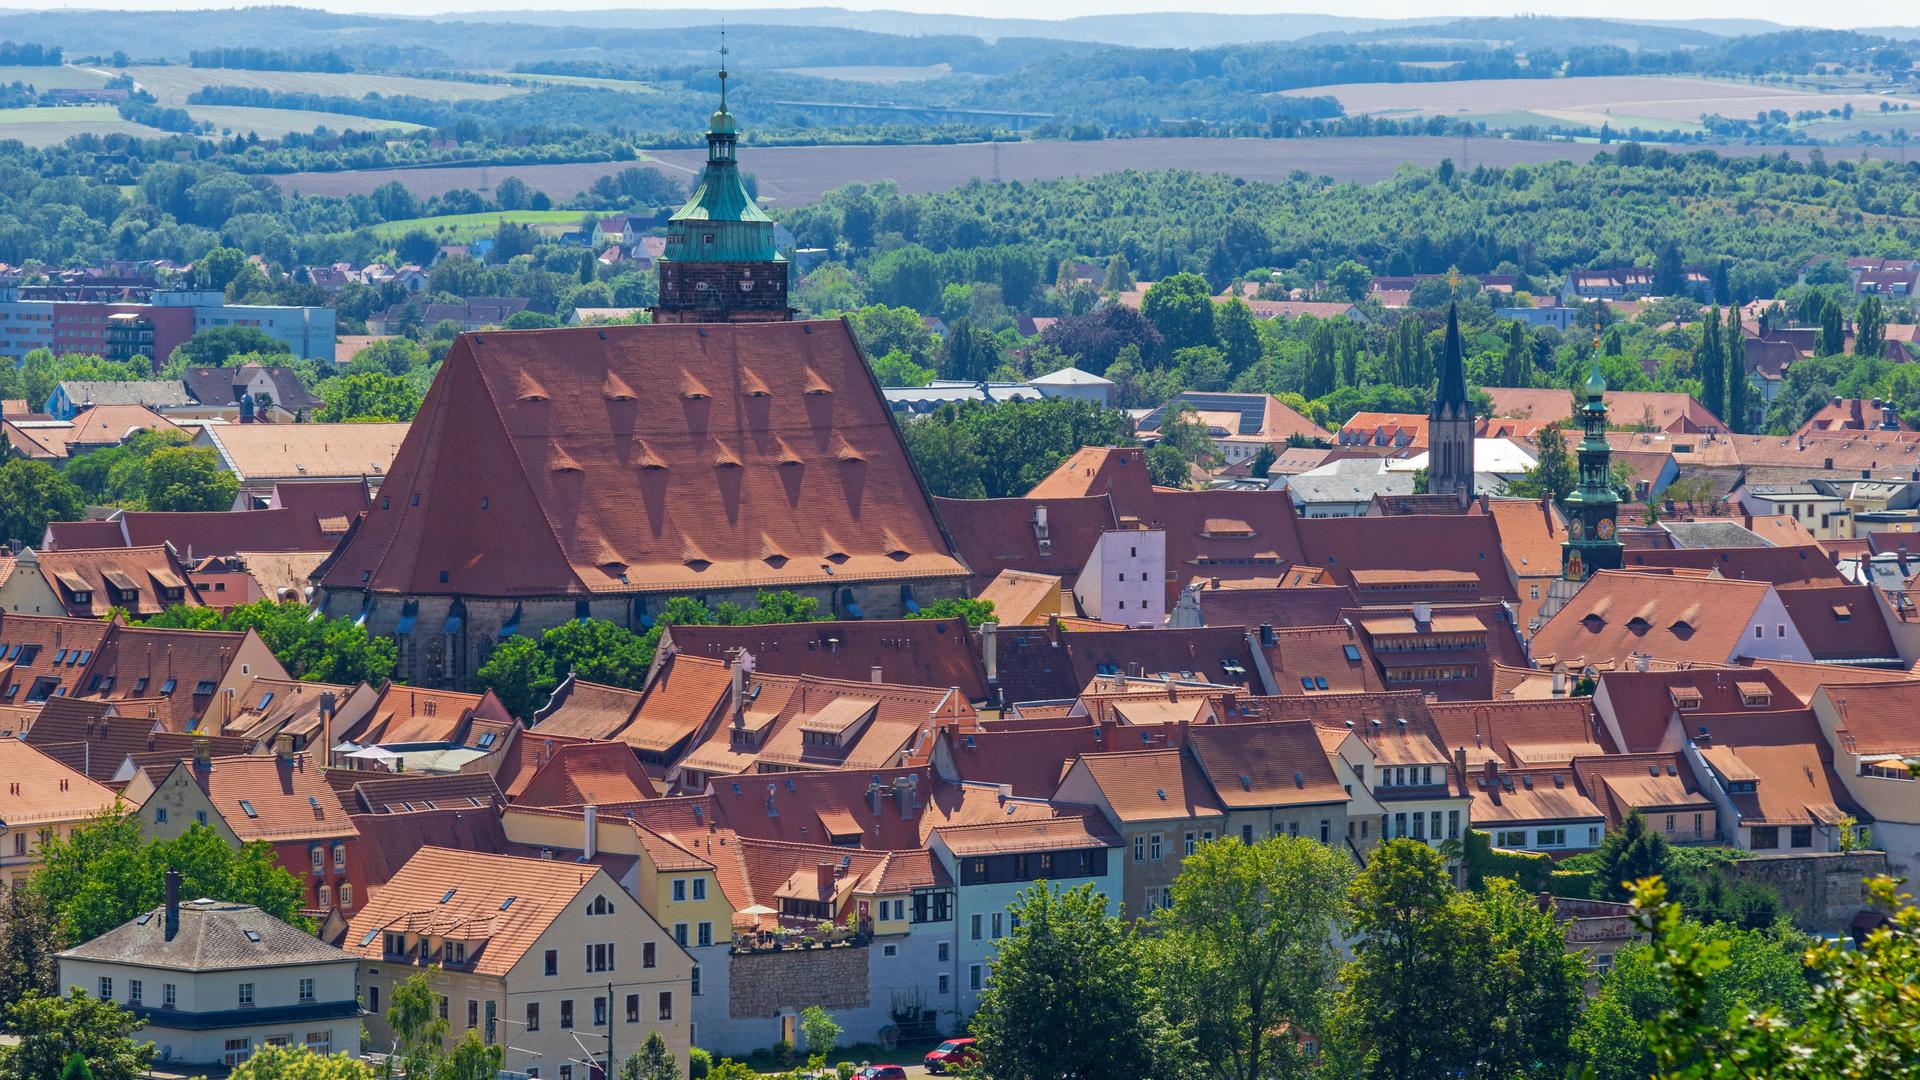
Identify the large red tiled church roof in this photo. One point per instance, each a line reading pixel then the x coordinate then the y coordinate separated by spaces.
pixel 617 459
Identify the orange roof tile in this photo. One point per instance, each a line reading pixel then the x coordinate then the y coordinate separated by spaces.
pixel 1616 613
pixel 1789 760
pixel 264 797
pixel 1020 598
pixel 1063 833
pixel 479 442
pixel 1515 796
pixel 142 581
pixel 1153 785
pixel 1877 718
pixel 40 790
pixel 604 773
pixel 935 653
pixel 464 894
pixel 1266 764
pixel 172 673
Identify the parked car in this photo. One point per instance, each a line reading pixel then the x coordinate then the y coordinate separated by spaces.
pixel 883 1072
pixel 952 1054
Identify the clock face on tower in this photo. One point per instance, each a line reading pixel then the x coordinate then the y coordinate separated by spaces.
pixel 1604 530
pixel 1575 528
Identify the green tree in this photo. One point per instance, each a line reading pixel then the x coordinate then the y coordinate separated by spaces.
pixel 1263 460
pixel 1553 474
pixel 419 1032
pixel 1180 307
pixel 1071 996
pixel 1247 951
pixel 520 674
pixel 311 646
pixel 1516 369
pixel 299 1063
pixel 76 1068
pixel 970 353
pixel 218 346
pixel 387 356
pixel 819 1030
pixel 1862 1021
pixel 654 1061
pixel 217 268
pixel 1669 272
pixel 188 478
pixel 881 330
pixel 1710 365
pixel 1118 277
pixel 1533 986
pixel 1168 467
pixel 974 611
pixel 1239 336
pixel 32 494
pixel 369 397
pixel 1350 281
pixel 1833 334
pixel 48 1030
pixel 947 457
pixel 1870 328
pixel 28 938
pixel 1737 379
pixel 898 369
pixel 1415 1000
pixel 1629 853
pixel 106 872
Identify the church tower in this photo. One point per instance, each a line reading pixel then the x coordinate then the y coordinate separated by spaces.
pixel 1593 509
pixel 720 263
pixel 1450 423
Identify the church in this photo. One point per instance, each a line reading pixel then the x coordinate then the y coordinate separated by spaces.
pixel 597 472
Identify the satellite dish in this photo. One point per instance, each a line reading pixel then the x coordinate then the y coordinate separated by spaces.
pixel 166 1052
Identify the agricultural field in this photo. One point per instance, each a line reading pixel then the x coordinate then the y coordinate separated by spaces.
pixel 462 228
pixel 624 86
pixel 875 74
pixel 274 123
pixel 799 175
pixel 51 125
pixel 171 85
pixel 66 77
pixel 1624 101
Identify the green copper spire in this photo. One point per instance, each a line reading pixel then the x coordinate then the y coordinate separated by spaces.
pixel 720 223
pixel 1596 385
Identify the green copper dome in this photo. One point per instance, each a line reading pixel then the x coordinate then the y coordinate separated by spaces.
pixel 722 122
pixel 1596 385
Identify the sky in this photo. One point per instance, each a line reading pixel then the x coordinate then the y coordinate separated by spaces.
pixel 1793 12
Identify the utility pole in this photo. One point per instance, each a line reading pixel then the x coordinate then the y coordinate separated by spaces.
pixel 610 1004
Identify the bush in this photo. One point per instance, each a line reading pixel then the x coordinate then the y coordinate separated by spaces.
pixel 782 1054
pixel 699 1064
pixel 1526 868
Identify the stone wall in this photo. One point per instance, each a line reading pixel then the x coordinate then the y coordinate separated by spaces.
pixel 1821 890
pixel 764 983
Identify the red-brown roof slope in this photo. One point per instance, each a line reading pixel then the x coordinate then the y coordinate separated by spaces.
pixel 602 774
pixel 273 798
pixel 172 674
pixel 1010 534
pixel 141 581
pixel 1644 703
pixel 46 656
pixel 309 521
pixel 1803 565
pixel 1790 761
pixel 1467 545
pixel 1096 470
pixel 908 652
pixel 1266 764
pixel 1153 785
pixel 1550 731
pixel 84 737
pixel 1321 660
pixel 642 458
pixel 1306 605
pixel 1214 654
pixel 1877 718
pixel 1028 762
pixel 1701 620
pixel 41 789
pixel 387 841
pixel 1842 623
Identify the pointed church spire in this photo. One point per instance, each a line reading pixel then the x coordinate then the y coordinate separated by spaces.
pixel 1452 392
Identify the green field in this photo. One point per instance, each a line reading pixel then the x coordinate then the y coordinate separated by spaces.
pixel 171 85
pixel 875 73
pixel 52 125
pixel 460 228
pixel 273 123
pixel 52 78
pixel 625 86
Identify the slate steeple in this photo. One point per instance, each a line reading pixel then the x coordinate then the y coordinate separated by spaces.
pixel 1450 421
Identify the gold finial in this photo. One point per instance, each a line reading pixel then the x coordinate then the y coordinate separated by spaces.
pixel 1453 279
pixel 1596 330
pixel 723 65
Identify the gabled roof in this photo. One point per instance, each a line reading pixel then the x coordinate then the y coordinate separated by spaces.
pixel 172 674
pixel 92 583
pixel 405 793
pixel 83 736
pixel 1320 660
pixel 407 715
pixel 531 471
pixel 1152 785
pixel 1020 598
pixel 1218 655
pixel 1521 732
pixel 1514 796
pixel 1467 545
pixel 215 385
pixel 111 425
pixel 909 652
pixel 1803 565
pixel 502 900
pixel 1642 703
pixel 41 790
pixel 1617 613
pixel 1649 783
pixel 1064 833
pixel 1842 623
pixel 998 535
pixel 1096 470
pixel 1789 760
pixel 213 936
pixel 1256 416
pixel 153 393
pixel 1876 719
pixel 265 797
pixel 604 773
pixel 259 453
pixel 60 648
pixel 1802 680
pixel 1266 764
pixel 1028 762
pixel 387 841
pixel 310 517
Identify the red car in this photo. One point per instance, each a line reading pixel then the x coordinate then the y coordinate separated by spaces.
pixel 883 1072
pixel 951 1054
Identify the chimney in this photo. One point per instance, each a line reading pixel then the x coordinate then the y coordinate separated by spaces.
pixel 824 877
pixel 202 756
pixel 1559 683
pixel 833 646
pixel 1491 771
pixel 173 905
pixel 283 749
pixel 1423 613
pixel 1460 764
pixel 874 675
pixel 1172 694
pixel 990 651
pixel 875 792
pixel 738 697
pixel 1267 640
pixel 590 843
pixel 1704 739
pixel 1640 661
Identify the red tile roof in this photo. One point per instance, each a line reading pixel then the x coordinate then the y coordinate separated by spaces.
pixel 1029 762
pixel 1842 623
pixel 1617 613
pixel 1504 796
pixel 604 774
pixel 1467 545
pixel 387 841
pixel 141 581
pixel 909 652
pixel 585 710
pixel 40 790
pixel 1649 783
pixel 1266 764
pixel 761 455
pixel 407 714
pixel 995 535
pixel 1153 785
pixel 1519 733
pixel 1803 565
pixel 267 797
pixel 61 648
pixel 1876 718
pixel 1643 704
pixel 85 737
pixel 409 792
pixel 1322 660
pixel 312 521
pixel 1789 758
pixel 173 673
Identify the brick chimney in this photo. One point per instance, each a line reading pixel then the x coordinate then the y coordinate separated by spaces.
pixel 173 905
pixel 824 877
pixel 202 756
pixel 1460 764
pixel 1491 771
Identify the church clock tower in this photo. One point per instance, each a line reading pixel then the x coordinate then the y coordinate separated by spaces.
pixel 1593 509
pixel 1450 422
pixel 720 263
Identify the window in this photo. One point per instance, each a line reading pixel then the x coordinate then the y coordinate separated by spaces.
pixel 599 1012
pixel 973 976
pixel 1759 632
pixel 326 897
pixel 1453 824
pixel 1189 847
pixel 320 1042
pixel 1154 847
pixel 237 1051
pixel 533 1016
pixel 705 936
pixel 666 1004
pixel 566 1072
pixel 600 957
pixel 346 895
pixel 946 952
pixel 693 983
pixel 319 859
pixel 1552 837
pixel 679 889
pixel 680 934
pixel 373 998
pixel 1140 849
pixel 159 815
pixel 339 856
pixel 553 962
pixel 1593 836
pixel 106 988
pixel 602 906
pixel 889 951
pixel 1764 837
pixel 646 955
pixel 169 994
pixel 1802 836
pixel 566 1014
pixel 1326 830
pixel 699 888
pixel 996 926
pixel 473 1013
pixel 974 926
pixel 1516 838
pixel 945 985
pixel 306 991
pixel 246 995
pixel 133 991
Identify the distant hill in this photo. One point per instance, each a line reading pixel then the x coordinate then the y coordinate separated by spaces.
pixel 1535 32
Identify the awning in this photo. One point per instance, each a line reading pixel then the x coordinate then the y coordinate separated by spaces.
pixel 408 614
pixel 906 598
pixel 512 625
